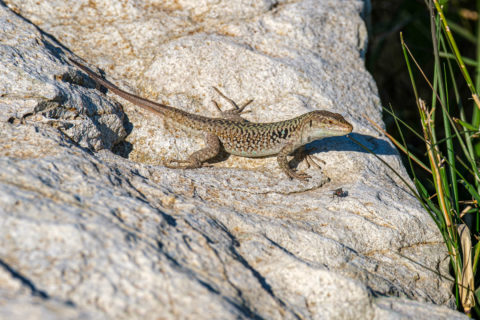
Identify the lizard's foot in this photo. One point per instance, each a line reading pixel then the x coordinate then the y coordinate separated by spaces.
pixel 198 158
pixel 312 161
pixel 297 175
pixel 234 113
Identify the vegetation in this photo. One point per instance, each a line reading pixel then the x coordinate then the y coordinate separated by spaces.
pixel 445 170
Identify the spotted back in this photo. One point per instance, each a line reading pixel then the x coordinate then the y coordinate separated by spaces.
pixel 258 139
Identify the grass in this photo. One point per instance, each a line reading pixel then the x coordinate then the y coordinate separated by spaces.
pixel 449 115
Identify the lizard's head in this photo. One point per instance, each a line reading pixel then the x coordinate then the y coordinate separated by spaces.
pixel 321 124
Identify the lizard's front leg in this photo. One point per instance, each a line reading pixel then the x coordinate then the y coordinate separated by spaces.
pixel 302 154
pixel 283 163
pixel 196 159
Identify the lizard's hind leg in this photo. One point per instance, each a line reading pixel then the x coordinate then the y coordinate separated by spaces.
pixel 196 159
pixel 235 112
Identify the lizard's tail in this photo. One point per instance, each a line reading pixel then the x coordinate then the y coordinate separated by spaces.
pixel 144 103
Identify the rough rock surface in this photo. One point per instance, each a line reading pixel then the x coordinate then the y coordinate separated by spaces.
pixel 86 233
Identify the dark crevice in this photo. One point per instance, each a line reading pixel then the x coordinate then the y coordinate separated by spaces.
pixel 257 275
pixel 25 281
pixel 247 312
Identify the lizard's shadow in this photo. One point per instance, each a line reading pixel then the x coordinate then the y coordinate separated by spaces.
pixel 376 145
pixel 344 143
pixel 380 146
pixel 220 157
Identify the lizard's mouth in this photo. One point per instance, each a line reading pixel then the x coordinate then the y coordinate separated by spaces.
pixel 346 128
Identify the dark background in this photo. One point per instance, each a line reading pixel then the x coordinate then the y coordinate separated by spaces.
pixel 386 62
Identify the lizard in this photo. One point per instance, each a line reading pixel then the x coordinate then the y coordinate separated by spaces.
pixel 237 135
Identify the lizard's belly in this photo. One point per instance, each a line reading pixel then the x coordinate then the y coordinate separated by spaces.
pixel 252 150
pixel 252 153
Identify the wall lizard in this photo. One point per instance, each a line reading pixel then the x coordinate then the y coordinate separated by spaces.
pixel 239 136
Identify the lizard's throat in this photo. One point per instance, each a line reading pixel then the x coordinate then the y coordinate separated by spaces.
pixel 309 136
pixel 312 134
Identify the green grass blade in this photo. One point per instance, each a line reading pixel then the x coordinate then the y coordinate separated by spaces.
pixel 450 149
pixel 403 123
pixel 476 256
pixel 402 147
pixel 471 189
pixel 453 46
pixel 468 61
pixel 409 67
pixel 466 125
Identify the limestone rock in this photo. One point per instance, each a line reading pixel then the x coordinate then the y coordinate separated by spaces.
pixel 86 233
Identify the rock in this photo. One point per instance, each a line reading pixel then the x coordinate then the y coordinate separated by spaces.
pixel 32 67
pixel 87 233
pixel 398 308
